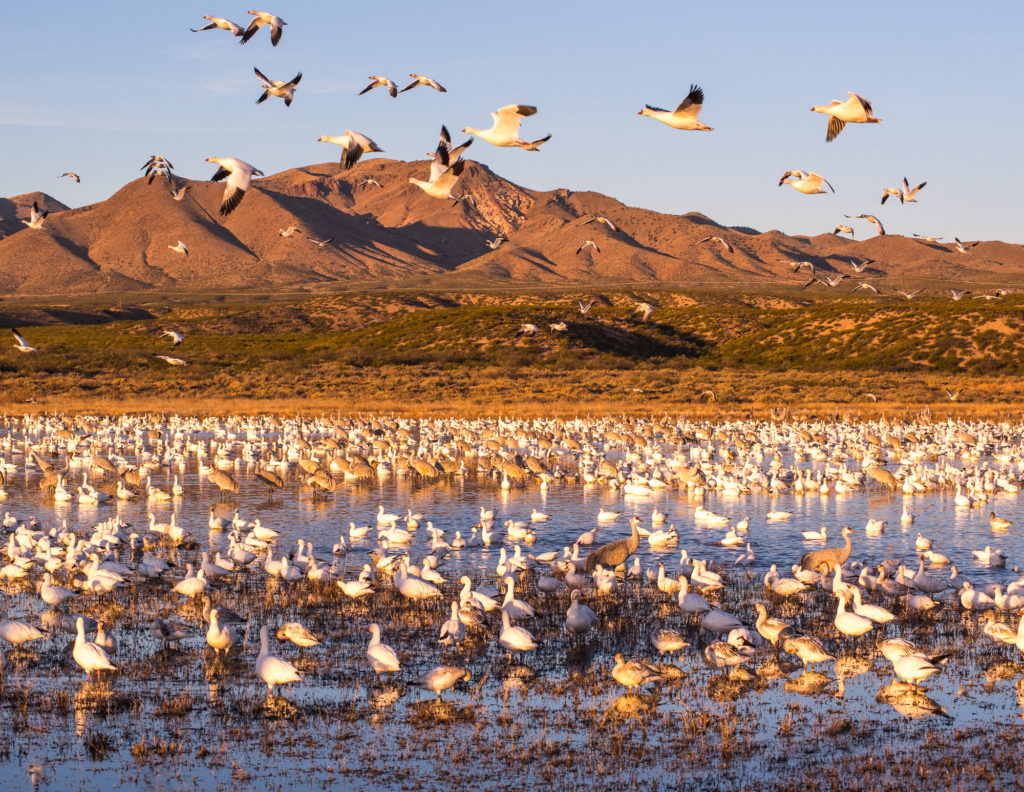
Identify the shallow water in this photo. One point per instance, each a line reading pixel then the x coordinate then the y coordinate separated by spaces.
pixel 173 716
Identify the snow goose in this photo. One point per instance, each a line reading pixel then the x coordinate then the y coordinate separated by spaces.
pixel 17 633
pixel 516 608
pixel 808 183
pixel 632 674
pixel 298 634
pixel 261 18
pixel 53 594
pixel 179 248
pixel 413 588
pixel 871 219
pixel 88 654
pixel 914 667
pixel 771 629
pixel 579 618
pixel 377 82
pixel 513 638
pixel 421 79
pixel 453 631
pixel 684 116
pixel 285 90
pixel 588 243
pixel 875 613
pixel 668 641
pixel 36 218
pixel 963 247
pixel 442 182
pixel 220 637
pixel 21 344
pixel 850 623
pixel 222 24
pixel 271 669
pixel 442 678
pixel 725 245
pixel 354 145
pixel 505 129
pixel 998 523
pixel 855 110
pixel 807 648
pixel 239 176
pixel 73 176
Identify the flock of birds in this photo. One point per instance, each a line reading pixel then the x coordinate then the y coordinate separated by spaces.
pixel 628 458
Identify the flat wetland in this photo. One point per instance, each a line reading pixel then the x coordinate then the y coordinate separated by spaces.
pixel 819 383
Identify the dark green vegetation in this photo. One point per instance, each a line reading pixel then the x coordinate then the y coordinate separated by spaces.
pixel 397 348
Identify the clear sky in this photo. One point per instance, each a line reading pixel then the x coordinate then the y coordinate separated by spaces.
pixel 97 87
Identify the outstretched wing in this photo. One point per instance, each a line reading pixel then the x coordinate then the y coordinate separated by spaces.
pixel 692 103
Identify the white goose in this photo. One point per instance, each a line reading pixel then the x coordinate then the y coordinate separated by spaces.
pixel 855 110
pixel 271 669
pixel 684 116
pixel 808 183
pixel 354 145
pixel 88 654
pixel 505 130
pixel 579 618
pixel 239 176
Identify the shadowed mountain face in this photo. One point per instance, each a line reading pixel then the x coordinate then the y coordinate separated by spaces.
pixel 370 225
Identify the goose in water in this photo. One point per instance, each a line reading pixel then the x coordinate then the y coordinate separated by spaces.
pixel 808 183
pixel 53 594
pixel 505 129
pixel 516 608
pixel 855 110
pixel 684 116
pixel 875 613
pixel 284 90
pixel 632 674
pixel 239 176
pixel 222 24
pixel 771 629
pixel 299 635
pixel 261 18
pixel 17 633
pixel 220 637
pixel 453 631
pixel 579 618
pixel 380 82
pixel 413 588
pixel 273 670
pixel 88 654
pixel 383 659
pixel 442 678
pixel 513 638
pixel 668 642
pixel 353 144
pixel 807 648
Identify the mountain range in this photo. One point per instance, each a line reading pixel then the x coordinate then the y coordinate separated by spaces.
pixel 378 229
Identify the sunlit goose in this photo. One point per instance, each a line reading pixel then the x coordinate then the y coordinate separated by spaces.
pixel 87 654
pixel 684 116
pixel 167 631
pixel 718 621
pixel 53 594
pixel 505 130
pixel 354 145
pixel 442 678
pixel 21 344
pixel 850 623
pixel 379 82
pixel 222 24
pixel 261 18
pixel 914 668
pixel 807 648
pixel 17 633
pixel 239 176
pixel 922 542
pixel 972 599
pixel 875 613
pixel 421 79
pixel 273 670
pixel 855 110
pixel 284 90
pixel 721 654
pixel 220 637
pixel 36 218
pixel 998 523
pixel 73 176
pixel 442 184
pixel 807 183
pixel 989 557
pixel 514 638
pixel 299 635
pixel 816 536
pixel 1000 632
pixel 632 674
pixel 579 618
pixel 453 631
pixel 771 629
pixel 516 608
pixel 668 642
pixel 413 588
pixel 193 584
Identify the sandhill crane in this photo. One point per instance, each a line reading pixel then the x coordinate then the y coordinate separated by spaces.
pixel 614 553
pixel 224 481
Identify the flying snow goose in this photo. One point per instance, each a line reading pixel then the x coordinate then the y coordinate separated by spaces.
pixel 855 110
pixel 174 335
pixel 442 183
pixel 239 176
pixel 644 311
pixel 807 183
pixel 179 248
pixel 599 219
pixel 962 247
pixel 289 232
pixel 909 195
pixel 179 195
pixel 867 286
pixel 719 240
pixel 871 219
pixel 891 191
pixel 446 142
pixel 377 81
pixel 421 79
pixel 321 243
pixel 588 243
pixel 910 296
pixel 261 18
pixel 36 218
pixel 21 344
pixel 286 90
pixel 157 164
pixel 495 243
pixel 842 228
pixel 354 145
pixel 685 115
pixel 223 24
pixel 73 176
pixel 505 130
pixel 171 361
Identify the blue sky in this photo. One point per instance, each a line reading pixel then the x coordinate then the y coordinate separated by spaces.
pixel 97 88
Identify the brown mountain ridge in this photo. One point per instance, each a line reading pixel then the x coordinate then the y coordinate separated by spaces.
pixel 395 233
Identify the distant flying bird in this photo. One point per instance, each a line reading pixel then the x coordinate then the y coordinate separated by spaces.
pixel 588 243
pixel 420 79
pixel 223 24
pixel 904 193
pixel 353 145
pixel 796 265
pixel 598 219
pixel 321 242
pixel 722 242
pixel 495 243
pixel 289 232
pixel 527 329
pixel 807 183
pixel 367 182
pixel 951 394
pixel 21 344
pixel 1003 292
pixel 870 219
pixel 867 286
pixel 842 229
pixel 558 327
pixel 261 18
pixel 909 295
pixel 962 247
pixel 859 268
pixel 157 164
pixel 285 90
pixel 179 195
pixel 36 218
pixel 171 361
pixel 645 310
pixel 505 130
pixel 586 306
pixel 377 82
pixel 958 295
pixel 73 176
pixel 174 335
pixel 685 115
pixel 855 110
pixel 179 248
pixel 891 191
pixel 933 240
pixel 239 176
pixel 826 281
